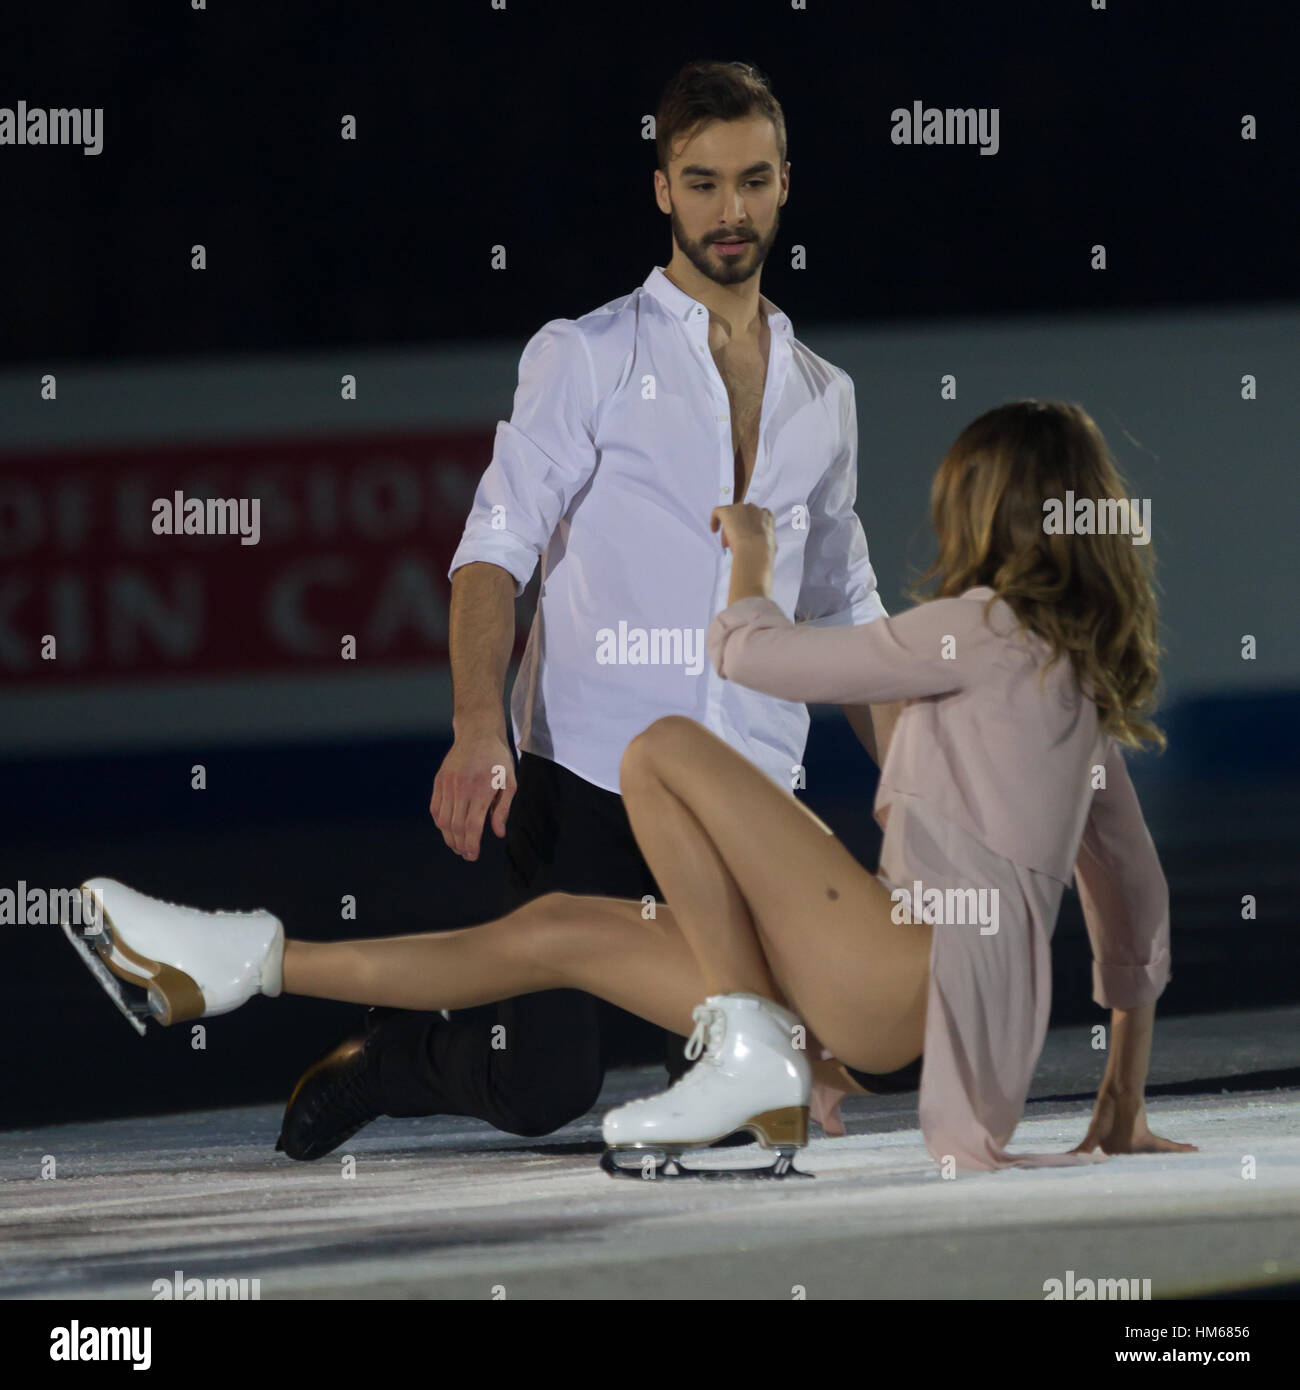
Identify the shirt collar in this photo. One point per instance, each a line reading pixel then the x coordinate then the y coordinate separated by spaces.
pixel 681 306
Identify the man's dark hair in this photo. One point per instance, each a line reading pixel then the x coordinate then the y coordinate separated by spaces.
pixel 707 91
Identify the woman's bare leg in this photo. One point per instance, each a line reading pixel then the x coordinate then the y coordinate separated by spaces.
pixel 765 900
pixel 604 946
pixel 763 892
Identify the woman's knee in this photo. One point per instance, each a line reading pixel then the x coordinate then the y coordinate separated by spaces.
pixel 670 737
pixel 550 933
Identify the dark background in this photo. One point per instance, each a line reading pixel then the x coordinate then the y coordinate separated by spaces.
pixel 523 127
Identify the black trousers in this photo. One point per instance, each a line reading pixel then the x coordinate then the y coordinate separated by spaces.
pixel 532 1064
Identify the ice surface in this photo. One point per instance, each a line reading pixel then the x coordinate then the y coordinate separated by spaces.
pixel 449 1208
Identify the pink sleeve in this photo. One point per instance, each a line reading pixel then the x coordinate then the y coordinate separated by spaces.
pixel 932 649
pixel 1124 895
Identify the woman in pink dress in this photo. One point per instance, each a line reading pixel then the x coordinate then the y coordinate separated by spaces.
pixel 1033 661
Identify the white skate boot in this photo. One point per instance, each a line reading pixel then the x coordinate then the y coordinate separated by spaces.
pixel 191 964
pixel 750 1076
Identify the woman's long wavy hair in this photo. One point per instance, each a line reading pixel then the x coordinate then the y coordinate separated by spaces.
pixel 1091 597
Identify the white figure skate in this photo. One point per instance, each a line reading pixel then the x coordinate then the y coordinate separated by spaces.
pixel 189 964
pixel 750 1076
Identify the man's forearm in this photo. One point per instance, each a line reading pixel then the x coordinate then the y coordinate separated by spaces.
pixel 481 637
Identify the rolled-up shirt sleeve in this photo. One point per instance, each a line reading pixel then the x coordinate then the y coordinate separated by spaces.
pixel 1124 895
pixel 541 456
pixel 839 585
pixel 933 649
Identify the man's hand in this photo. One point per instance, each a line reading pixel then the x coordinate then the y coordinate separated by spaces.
pixel 478 773
pixel 1119 1126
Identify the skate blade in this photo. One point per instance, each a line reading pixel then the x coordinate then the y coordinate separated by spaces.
pixel 649 1163
pixel 133 1010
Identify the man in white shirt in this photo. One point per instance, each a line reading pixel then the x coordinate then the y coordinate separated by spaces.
pixel 630 424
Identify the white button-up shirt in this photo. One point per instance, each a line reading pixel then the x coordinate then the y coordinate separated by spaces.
pixel 617 451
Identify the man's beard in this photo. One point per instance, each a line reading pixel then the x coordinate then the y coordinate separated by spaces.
pixel 708 262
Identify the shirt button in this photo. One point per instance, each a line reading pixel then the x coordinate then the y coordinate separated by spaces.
pixel 725 490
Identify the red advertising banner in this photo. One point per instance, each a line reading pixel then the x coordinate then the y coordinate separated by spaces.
pixel 241 557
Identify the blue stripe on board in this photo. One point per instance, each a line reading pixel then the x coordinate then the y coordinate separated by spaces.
pixel 387 778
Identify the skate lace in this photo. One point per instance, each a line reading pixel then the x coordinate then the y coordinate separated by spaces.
pixel 705 1042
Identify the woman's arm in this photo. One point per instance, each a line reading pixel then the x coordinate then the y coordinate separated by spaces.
pixel 751 564
pixel 1125 902
pixel 933 649
pixel 1130 1052
pixel 1119 1120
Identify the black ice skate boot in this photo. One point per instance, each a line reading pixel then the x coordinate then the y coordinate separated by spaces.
pixel 342 1092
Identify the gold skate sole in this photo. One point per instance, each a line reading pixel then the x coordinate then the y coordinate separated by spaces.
pixel 774 1128
pixel 173 996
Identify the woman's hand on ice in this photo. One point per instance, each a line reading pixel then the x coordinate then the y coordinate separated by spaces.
pixel 830 1085
pixel 1119 1126
pixel 824 1107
